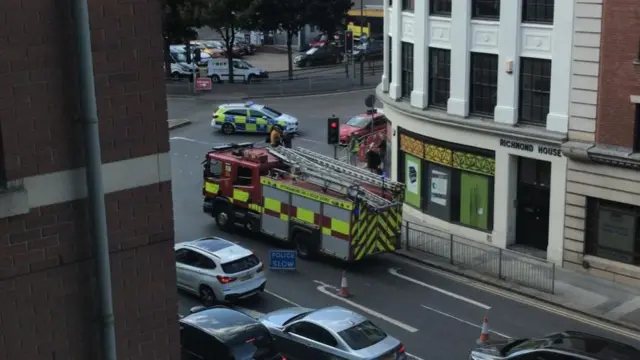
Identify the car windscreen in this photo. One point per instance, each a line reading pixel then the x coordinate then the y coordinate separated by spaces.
pixel 239 265
pixel 271 112
pixel 362 335
pixel 358 121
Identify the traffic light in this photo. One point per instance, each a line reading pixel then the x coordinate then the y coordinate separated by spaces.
pixel 333 130
pixel 348 40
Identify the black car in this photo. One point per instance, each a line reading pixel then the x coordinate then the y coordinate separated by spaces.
pixel 371 50
pixel 246 47
pixel 567 345
pixel 321 55
pixel 221 333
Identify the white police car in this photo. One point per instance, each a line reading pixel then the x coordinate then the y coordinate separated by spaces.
pixel 251 117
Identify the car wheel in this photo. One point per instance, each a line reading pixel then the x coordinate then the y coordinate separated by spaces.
pixel 250 79
pixel 224 217
pixel 216 79
pixel 207 296
pixel 303 249
pixel 228 129
pixel 175 76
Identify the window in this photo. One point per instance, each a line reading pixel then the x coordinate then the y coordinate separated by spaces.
pixel 407 69
pixel 484 83
pixel 440 7
pixel 535 85
pixel 313 332
pixel 256 114
pixel 236 112
pixel 244 176
pixel 408 5
pixel 538 11
pixel 636 137
pixel 271 112
pixel 486 9
pixel 239 265
pixel 362 335
pixel 613 231
pixel 439 77
pixel 192 258
pixel 390 57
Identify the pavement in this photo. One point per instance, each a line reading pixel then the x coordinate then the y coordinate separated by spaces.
pixel 436 314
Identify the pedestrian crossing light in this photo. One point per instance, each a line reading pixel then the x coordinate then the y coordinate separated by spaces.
pixel 333 130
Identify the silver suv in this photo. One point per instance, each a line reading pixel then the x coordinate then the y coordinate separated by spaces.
pixel 218 270
pixel 568 345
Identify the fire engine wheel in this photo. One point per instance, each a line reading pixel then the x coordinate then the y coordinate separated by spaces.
pixel 303 248
pixel 228 129
pixel 223 217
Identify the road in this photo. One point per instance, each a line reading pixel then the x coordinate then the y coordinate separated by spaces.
pixel 435 316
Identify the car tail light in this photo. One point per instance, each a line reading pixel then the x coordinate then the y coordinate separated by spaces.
pixel 401 349
pixel 225 279
pixel 283 358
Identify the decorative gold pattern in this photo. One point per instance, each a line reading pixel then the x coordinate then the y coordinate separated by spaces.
pixel 438 155
pixel 474 163
pixel 411 146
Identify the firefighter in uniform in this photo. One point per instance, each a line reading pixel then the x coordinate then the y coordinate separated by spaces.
pixel 354 147
pixel 275 136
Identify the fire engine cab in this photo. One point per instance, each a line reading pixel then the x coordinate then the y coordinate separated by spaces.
pixel 318 204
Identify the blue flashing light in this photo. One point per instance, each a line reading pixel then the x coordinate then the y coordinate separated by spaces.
pixel 383 176
pixel 356 211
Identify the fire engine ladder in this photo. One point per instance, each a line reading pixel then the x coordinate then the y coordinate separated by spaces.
pixel 328 177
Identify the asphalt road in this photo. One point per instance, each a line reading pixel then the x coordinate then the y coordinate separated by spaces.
pixel 437 318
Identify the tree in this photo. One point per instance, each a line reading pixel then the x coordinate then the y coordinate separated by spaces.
pixel 290 16
pixel 227 17
pixel 177 26
pixel 329 15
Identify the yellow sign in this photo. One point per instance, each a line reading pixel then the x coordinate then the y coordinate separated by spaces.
pixel 347 205
pixel 376 13
pixel 356 30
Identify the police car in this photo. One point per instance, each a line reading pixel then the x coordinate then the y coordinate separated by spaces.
pixel 251 117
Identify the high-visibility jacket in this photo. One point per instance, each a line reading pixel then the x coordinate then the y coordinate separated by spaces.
pixel 355 145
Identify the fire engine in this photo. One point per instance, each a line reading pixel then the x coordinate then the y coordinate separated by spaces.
pixel 321 206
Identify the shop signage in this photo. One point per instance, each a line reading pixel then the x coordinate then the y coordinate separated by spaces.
pixel 540 149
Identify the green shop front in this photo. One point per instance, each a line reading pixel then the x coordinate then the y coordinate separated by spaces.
pixel 452 182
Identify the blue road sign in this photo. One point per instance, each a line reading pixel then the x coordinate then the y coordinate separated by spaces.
pixel 282 259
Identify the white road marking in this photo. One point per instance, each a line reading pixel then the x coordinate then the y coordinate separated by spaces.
pixel 463 321
pixel 527 301
pixel 414 357
pixel 190 140
pixel 395 272
pixel 323 289
pixel 282 298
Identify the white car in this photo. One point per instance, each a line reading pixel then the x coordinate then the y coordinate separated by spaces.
pixel 218 271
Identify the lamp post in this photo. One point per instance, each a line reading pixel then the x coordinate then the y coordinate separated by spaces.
pixel 361 42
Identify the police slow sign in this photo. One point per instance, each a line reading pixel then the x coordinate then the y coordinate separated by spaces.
pixel 282 259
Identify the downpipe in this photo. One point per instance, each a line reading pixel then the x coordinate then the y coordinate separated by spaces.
pixel 95 187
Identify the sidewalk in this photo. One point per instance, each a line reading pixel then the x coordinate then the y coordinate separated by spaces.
pixel 592 296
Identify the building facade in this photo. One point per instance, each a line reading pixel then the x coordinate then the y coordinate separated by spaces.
pixel 48 287
pixel 602 223
pixel 478 95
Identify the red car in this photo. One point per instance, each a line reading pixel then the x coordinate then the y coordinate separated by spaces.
pixel 361 125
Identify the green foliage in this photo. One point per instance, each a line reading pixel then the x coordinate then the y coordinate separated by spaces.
pixel 329 15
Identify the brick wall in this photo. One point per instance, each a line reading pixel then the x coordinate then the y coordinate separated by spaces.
pixel 619 76
pixel 48 305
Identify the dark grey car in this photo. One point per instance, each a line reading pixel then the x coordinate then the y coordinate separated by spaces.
pixel 330 333
pixel 568 345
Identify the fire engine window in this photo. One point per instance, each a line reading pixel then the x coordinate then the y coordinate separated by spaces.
pixel 215 168
pixel 244 176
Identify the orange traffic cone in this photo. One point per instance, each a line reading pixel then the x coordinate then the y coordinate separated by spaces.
pixel 344 286
pixel 484 333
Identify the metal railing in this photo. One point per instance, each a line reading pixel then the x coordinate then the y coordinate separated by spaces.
pixel 500 263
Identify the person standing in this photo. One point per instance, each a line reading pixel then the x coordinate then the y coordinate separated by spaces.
pixel 354 150
pixel 275 136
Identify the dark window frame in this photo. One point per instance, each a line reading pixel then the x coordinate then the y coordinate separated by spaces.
pixel 439 76
pixel 479 7
pixel 3 170
pixel 538 11
pixel 406 84
pixel 483 94
pixel 534 91
pixel 409 5
pixel 592 242
pixel 636 134
pixel 390 57
pixel 440 7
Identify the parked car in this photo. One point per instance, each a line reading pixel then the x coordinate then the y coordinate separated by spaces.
pixel 363 124
pixel 321 55
pixel 330 333
pixel 211 47
pixel 218 270
pixel 220 333
pixel 567 345
pixel 180 69
pixel 204 57
pixel 246 47
pixel 371 50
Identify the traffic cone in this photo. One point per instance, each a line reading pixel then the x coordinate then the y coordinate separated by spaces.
pixel 344 286
pixel 484 333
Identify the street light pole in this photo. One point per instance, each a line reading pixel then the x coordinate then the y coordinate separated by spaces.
pixel 361 36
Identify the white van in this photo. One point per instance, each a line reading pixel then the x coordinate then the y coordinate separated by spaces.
pixel 180 69
pixel 218 71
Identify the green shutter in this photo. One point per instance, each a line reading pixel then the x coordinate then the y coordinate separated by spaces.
pixel 474 200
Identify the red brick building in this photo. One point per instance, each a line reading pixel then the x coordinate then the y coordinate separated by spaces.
pixel 48 292
pixel 602 222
